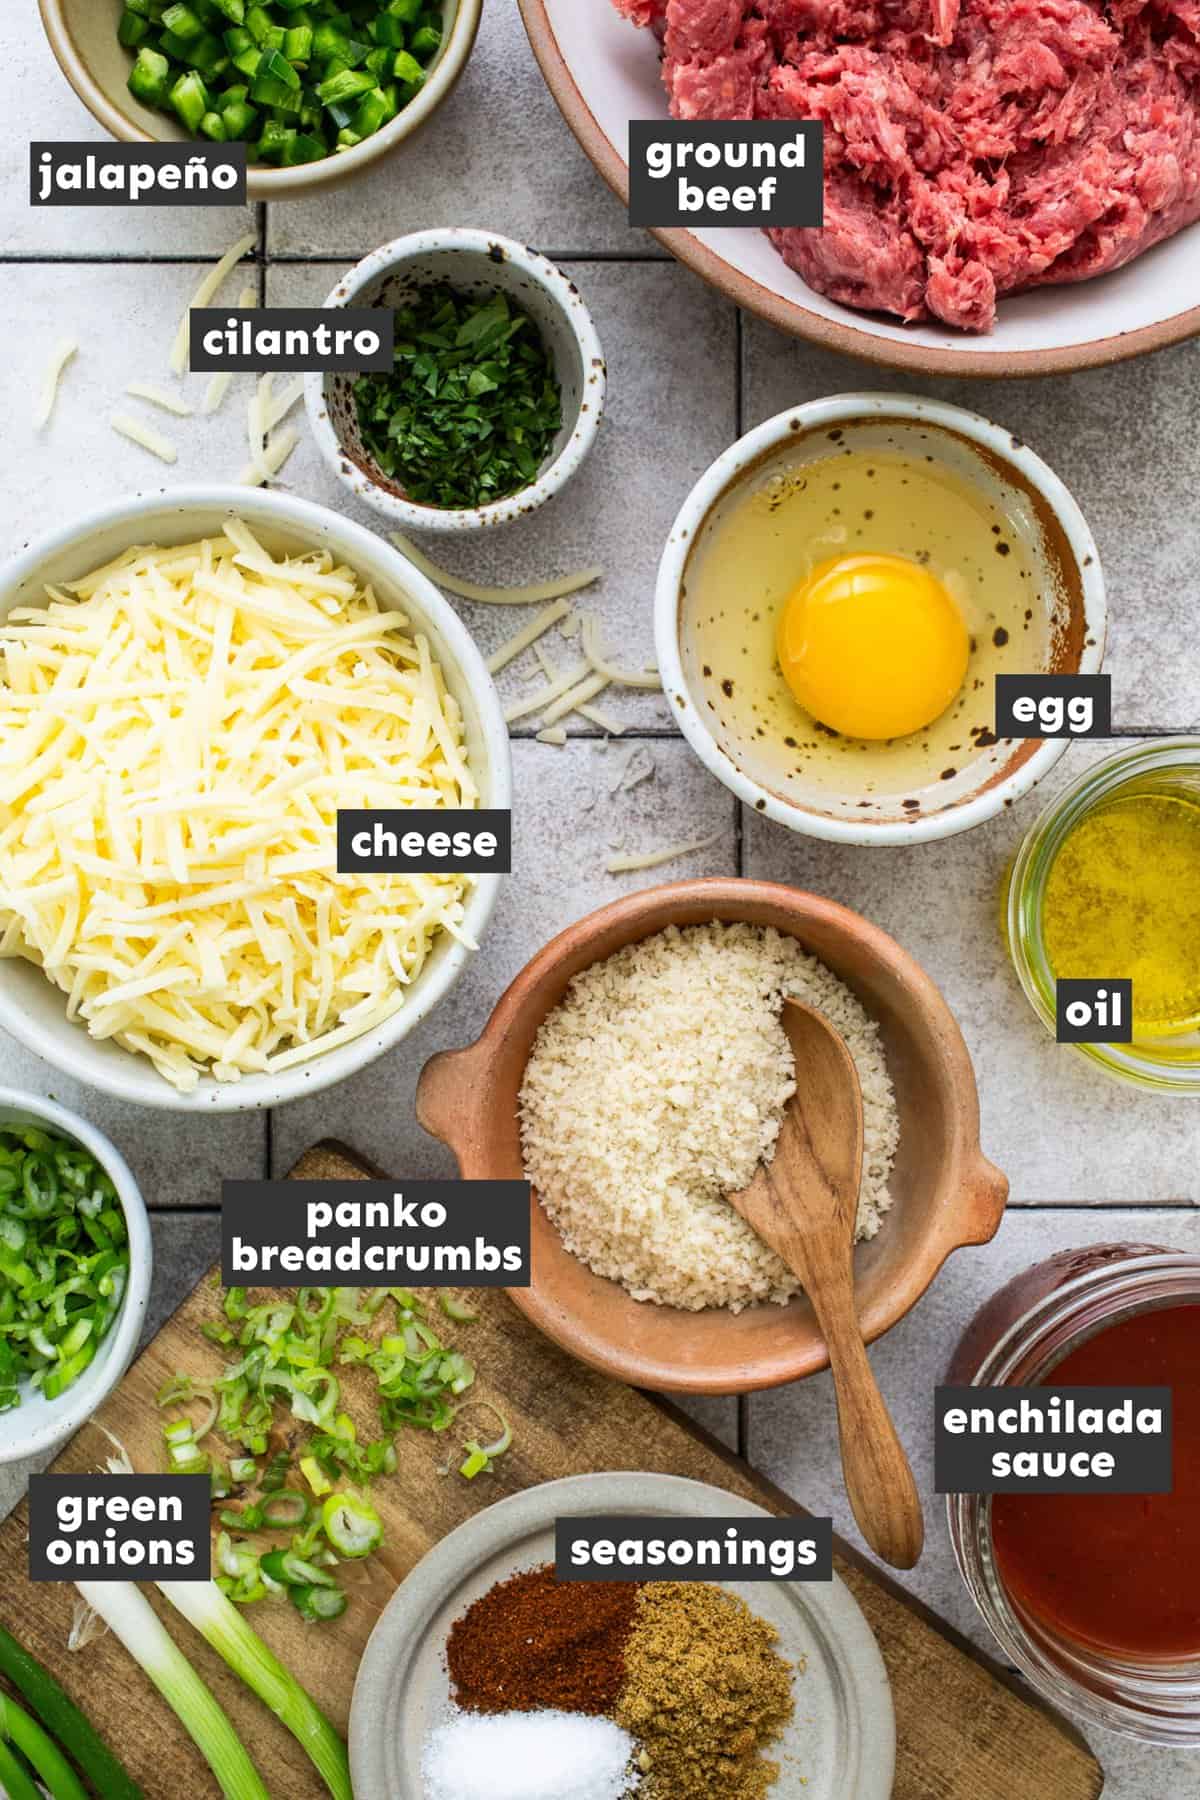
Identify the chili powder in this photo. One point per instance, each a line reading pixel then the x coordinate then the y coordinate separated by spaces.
pixel 534 1642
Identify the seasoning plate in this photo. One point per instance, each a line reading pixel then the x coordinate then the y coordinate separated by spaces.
pixel 841 1741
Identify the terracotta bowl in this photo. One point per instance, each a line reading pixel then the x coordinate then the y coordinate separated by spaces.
pixel 946 1192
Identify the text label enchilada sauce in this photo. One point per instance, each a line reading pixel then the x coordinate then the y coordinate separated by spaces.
pixel 1118 1571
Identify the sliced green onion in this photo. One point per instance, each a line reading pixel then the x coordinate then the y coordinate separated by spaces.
pixel 352 1525
pixel 456 1309
pixel 287 1510
pixel 64 1262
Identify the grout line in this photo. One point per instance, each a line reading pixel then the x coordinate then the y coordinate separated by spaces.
pixel 1063 1208
pixel 135 258
pixel 261 254
pixel 1104 1206
pixel 666 733
pixel 152 259
pixel 263 227
pixel 552 255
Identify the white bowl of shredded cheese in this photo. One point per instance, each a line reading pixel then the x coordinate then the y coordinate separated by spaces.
pixel 213 674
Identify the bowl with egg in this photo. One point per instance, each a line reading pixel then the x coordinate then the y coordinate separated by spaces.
pixel 636 1073
pixel 837 597
pixel 191 686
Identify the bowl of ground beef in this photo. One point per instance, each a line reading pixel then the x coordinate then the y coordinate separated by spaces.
pixel 1010 185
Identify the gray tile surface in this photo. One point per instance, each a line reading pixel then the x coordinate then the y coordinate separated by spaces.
pixel 40 104
pixel 1088 1160
pixel 123 317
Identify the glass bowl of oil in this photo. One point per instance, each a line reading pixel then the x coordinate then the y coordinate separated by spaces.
pixel 1107 886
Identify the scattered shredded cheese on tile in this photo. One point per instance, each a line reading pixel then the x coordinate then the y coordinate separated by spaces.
pixel 595 715
pixel 553 734
pixel 60 356
pixel 177 733
pixel 145 436
pixel 556 589
pixel 207 291
pixel 586 690
pixel 272 459
pixel 157 396
pixel 282 404
pixel 528 634
pixel 634 678
pixel 628 865
pixel 219 386
pixel 534 703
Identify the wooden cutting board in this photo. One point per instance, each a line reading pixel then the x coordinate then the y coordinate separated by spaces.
pixel 964 1732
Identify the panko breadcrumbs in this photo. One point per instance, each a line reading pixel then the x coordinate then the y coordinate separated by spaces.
pixel 655 1088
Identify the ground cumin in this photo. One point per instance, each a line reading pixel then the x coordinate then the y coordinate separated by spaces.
pixel 705 1690
pixel 535 1642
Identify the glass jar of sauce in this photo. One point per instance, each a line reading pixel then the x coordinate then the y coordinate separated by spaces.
pixel 1095 1598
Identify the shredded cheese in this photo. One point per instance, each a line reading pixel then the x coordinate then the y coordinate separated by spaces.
pixel 256 430
pixel 495 596
pixel 272 459
pixel 528 635
pixel 554 734
pixel 587 689
pixel 157 396
pixel 145 435
pixel 632 678
pixel 534 703
pixel 177 733
pixel 219 386
pixel 595 715
pixel 628 865
pixel 215 392
pixel 206 291
pixel 282 404
pixel 60 356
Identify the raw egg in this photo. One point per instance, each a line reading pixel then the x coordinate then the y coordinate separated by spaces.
pixel 873 646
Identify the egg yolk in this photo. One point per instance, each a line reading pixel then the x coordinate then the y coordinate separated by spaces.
pixel 872 646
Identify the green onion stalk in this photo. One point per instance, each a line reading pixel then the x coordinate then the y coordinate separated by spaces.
pixel 129 1615
pixel 204 1606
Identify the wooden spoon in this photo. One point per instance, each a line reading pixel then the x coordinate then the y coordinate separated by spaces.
pixel 803 1204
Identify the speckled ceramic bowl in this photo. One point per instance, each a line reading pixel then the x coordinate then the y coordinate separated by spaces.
pixel 1040 515
pixel 39 1425
pixel 472 262
pixel 83 36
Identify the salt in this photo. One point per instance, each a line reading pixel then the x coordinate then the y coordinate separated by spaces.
pixel 527 1756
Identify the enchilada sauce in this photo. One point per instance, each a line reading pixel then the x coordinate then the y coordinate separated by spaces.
pixel 1120 1572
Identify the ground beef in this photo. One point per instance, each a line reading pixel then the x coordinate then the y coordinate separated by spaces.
pixel 973 148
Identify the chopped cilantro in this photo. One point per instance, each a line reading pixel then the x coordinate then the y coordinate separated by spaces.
pixel 472 407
